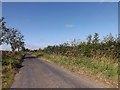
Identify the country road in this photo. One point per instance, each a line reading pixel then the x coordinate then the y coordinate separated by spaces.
pixel 37 73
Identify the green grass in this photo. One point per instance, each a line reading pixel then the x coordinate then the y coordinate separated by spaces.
pixel 102 68
pixel 7 78
pixel 9 67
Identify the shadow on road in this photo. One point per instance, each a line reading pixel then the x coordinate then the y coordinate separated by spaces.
pixel 28 56
pixel 18 65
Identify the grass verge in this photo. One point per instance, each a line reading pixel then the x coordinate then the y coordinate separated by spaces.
pixel 10 66
pixel 101 70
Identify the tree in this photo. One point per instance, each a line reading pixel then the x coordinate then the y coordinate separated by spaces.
pixel 96 38
pixel 11 36
pixel 16 39
pixel 89 39
pixel 3 31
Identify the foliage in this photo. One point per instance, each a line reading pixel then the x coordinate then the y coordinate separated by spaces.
pixel 93 47
pixel 11 62
pixel 97 57
pixel 11 36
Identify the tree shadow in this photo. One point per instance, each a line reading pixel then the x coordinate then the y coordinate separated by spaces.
pixel 28 56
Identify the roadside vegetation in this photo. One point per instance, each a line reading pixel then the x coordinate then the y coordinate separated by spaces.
pixel 11 63
pixel 93 57
pixel 11 60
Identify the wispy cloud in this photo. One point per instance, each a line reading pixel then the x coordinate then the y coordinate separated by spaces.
pixel 5 47
pixel 69 25
pixel 32 46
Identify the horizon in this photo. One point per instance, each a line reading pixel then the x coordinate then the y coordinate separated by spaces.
pixel 59 22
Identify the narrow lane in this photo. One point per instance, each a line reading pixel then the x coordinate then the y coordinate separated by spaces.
pixel 37 73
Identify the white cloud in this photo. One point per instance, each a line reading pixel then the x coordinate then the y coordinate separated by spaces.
pixel 69 25
pixel 34 46
pixel 5 47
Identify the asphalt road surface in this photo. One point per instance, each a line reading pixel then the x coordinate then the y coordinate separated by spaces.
pixel 37 73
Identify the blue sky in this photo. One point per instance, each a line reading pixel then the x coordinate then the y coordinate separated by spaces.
pixel 45 24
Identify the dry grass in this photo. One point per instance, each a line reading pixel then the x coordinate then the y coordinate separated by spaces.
pixel 101 70
pixel 9 68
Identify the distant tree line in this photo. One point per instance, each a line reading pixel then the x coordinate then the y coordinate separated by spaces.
pixel 11 36
pixel 93 47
